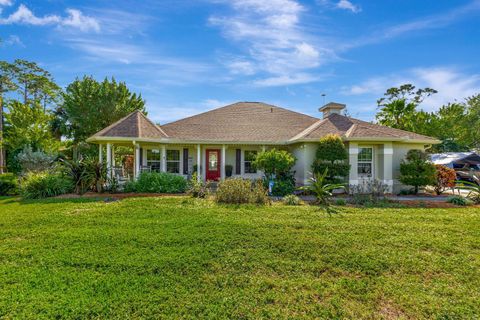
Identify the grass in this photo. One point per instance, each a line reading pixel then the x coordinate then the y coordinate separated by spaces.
pixel 185 258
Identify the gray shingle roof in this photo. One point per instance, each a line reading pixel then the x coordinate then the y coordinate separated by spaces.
pixel 253 122
pixel 134 125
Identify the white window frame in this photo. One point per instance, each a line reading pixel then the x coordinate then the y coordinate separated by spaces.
pixel 179 161
pixel 159 161
pixel 244 161
pixel 371 162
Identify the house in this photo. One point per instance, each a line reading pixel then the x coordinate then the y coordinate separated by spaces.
pixel 234 134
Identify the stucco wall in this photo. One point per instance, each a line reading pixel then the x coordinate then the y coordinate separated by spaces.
pixel 399 152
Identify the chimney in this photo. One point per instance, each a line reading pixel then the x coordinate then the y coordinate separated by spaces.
pixel 332 107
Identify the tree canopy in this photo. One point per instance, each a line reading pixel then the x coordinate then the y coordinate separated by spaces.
pixel 89 106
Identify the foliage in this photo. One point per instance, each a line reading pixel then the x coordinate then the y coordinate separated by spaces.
pixel 291 200
pixel 157 182
pixel 274 162
pixel 416 171
pixel 340 202
pixel 29 125
pixel 86 174
pixel 37 161
pixel 473 188
pixel 197 188
pixel 283 184
pixel 444 178
pixel 239 191
pixel 332 156
pixel 8 184
pixel 458 201
pixel 398 106
pixel 108 261
pixel 36 185
pixel 89 106
pixel 321 188
pixel 369 191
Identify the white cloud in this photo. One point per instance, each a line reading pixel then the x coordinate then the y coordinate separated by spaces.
pixel 13 40
pixel 77 20
pixel 425 23
pixel 74 19
pixel 6 2
pixel 451 84
pixel 275 45
pixel 347 5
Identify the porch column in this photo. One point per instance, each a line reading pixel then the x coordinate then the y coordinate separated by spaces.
pixel 263 148
pixel 137 161
pixel 222 163
pixel 388 166
pixel 109 161
pixel 353 161
pixel 199 162
pixel 100 153
pixel 113 156
pixel 163 158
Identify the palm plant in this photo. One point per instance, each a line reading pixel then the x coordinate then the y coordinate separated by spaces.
pixel 473 188
pixel 320 188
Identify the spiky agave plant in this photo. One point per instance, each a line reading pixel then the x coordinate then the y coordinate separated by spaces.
pixel 320 188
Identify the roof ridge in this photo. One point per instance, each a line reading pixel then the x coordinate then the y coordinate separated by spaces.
pixel 308 130
pixel 114 124
pixel 154 124
pixel 351 130
pixel 236 103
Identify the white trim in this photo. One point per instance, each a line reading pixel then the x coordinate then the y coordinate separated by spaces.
pixel 100 153
pixel 199 162
pixel 109 160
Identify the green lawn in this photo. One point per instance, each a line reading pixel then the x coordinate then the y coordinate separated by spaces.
pixel 182 258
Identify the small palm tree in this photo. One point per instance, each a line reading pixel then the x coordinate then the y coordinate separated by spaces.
pixel 474 189
pixel 321 189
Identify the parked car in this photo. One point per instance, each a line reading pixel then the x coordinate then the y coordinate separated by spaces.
pixel 466 164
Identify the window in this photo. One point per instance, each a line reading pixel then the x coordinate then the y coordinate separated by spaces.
pixel 365 162
pixel 154 159
pixel 248 159
pixel 173 161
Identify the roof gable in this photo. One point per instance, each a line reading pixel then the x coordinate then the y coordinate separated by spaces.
pixel 134 125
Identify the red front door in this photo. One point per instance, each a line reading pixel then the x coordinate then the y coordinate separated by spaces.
pixel 213 164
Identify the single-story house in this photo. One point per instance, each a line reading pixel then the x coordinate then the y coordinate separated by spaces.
pixel 234 134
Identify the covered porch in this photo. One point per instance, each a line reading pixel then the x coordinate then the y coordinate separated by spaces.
pixel 210 162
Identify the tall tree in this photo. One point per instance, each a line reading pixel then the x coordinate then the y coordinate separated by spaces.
pixel 398 107
pixel 6 85
pixel 89 106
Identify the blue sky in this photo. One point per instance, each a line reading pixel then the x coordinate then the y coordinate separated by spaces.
pixel 189 56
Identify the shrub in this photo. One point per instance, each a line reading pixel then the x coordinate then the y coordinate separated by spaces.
pixel 416 171
pixel 238 191
pixel 86 174
pixel 276 165
pixel 196 188
pixel 157 182
pixel 332 156
pixel 282 185
pixel 8 184
pixel 370 191
pixel 37 161
pixel 291 200
pixel 444 178
pixel 321 188
pixel 44 185
pixel 274 162
pixel 406 192
pixel 473 188
pixel 458 201
pixel 341 202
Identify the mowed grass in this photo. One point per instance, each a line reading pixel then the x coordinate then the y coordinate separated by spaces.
pixel 185 258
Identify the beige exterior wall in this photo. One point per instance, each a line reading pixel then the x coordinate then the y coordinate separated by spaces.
pixel 386 165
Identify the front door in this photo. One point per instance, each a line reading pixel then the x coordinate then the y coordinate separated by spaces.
pixel 213 164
